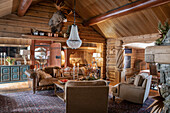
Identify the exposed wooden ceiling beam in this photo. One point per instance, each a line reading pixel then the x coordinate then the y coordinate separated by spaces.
pixel 126 9
pixel 147 38
pixel 23 7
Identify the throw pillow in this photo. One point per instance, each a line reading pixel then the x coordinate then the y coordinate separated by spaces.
pixel 56 73
pixel 43 75
pixel 144 83
pixel 130 80
pixel 138 80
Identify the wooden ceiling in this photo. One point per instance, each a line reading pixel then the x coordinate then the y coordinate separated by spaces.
pixel 9 6
pixel 37 17
pixel 5 7
pixel 138 23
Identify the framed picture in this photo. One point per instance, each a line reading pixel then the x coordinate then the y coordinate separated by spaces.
pixel 127 62
pixel 128 51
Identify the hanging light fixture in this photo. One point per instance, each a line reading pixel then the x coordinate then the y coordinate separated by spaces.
pixel 74 40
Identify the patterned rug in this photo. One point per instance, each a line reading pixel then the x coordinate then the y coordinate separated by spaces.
pixel 122 106
pixel 47 102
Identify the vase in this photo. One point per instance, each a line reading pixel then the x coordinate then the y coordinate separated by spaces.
pixel 9 63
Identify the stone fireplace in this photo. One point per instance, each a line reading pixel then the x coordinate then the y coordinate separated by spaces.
pixel 161 55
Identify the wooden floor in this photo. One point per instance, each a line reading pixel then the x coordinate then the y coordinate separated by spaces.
pixel 24 86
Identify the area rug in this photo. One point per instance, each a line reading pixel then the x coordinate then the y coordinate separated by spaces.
pixel 47 102
pixel 122 106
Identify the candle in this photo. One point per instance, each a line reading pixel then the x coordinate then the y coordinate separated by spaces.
pixel 74 71
pixel 4 58
pixel 1 58
pixel 77 71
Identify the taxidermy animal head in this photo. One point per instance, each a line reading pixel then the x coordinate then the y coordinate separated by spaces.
pixel 56 22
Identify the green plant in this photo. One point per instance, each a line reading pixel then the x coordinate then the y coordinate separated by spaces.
pixel 9 60
pixel 163 29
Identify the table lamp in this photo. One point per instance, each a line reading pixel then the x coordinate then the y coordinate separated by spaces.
pixel 24 53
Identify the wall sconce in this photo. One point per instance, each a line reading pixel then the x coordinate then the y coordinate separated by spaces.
pixel 96 56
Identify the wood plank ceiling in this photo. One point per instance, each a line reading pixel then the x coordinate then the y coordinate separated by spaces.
pixel 9 6
pixel 38 17
pixel 137 23
pixel 5 7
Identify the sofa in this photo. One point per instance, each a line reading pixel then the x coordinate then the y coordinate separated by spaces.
pixel 43 79
pixel 86 96
pixel 134 90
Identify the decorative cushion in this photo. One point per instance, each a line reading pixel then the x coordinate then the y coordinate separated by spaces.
pixel 130 80
pixel 56 73
pixel 43 75
pixel 144 83
pixel 49 70
pixel 138 80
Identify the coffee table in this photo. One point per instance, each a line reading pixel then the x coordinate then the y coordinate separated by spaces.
pixel 57 84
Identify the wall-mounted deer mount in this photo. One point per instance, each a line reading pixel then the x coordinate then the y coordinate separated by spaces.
pixel 56 22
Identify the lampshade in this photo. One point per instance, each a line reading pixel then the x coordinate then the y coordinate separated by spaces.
pixel 74 41
pixel 96 55
pixel 24 52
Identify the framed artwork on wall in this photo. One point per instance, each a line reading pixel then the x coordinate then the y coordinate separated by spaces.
pixel 127 50
pixel 127 62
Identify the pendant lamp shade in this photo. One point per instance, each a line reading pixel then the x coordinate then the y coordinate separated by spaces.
pixel 74 40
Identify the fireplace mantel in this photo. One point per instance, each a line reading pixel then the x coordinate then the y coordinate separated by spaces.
pixel 158 54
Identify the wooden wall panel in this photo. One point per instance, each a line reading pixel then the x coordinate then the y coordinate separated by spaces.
pixel 111 60
pixel 5 7
pixel 38 17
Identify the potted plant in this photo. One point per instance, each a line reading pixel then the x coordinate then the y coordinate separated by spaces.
pixel 163 29
pixel 10 61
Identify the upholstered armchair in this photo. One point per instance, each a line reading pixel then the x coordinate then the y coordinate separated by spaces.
pixel 86 97
pixel 136 91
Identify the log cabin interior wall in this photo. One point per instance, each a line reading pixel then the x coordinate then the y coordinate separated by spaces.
pixel 37 17
pixel 139 26
pixel 111 60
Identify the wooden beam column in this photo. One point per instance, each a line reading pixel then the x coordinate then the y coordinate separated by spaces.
pixel 104 61
pixel 23 7
pixel 32 56
pixel 119 61
pixel 126 9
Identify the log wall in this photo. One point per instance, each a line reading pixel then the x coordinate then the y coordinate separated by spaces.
pixel 38 17
pixel 111 60
pixel 137 54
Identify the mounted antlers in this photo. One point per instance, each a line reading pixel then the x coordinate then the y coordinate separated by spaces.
pixel 58 17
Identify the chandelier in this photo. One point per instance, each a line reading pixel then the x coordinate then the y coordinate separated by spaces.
pixel 74 40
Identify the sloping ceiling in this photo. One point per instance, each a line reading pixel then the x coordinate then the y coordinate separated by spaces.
pixel 5 7
pixel 138 23
pixel 38 17
pixel 9 6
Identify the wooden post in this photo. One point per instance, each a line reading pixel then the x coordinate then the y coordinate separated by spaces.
pixel 23 7
pixel 119 60
pixel 104 61
pixel 32 57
